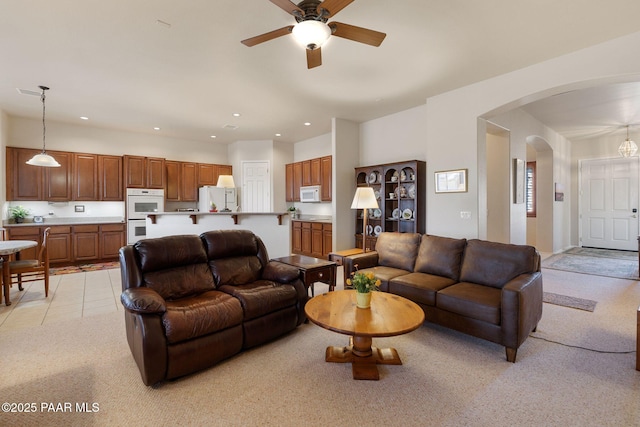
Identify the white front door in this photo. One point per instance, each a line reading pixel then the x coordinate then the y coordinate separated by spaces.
pixel 256 186
pixel 609 203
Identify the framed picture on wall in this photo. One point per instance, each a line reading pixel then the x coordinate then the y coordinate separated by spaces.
pixel 453 181
pixel 518 181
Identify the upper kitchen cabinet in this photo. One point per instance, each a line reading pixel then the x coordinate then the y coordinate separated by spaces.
pixel 189 184
pixel 58 182
pixel 308 172
pixel 144 172
pixel 24 182
pixel 182 181
pixel 208 173
pixel 325 178
pixel 85 178
pixel 110 178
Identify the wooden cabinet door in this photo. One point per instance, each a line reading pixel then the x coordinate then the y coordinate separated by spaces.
pixel 296 237
pixel 316 177
pixel 306 172
pixel 327 243
pixel 110 178
pixel 326 190
pixel 26 233
pixel 189 184
pixel 317 239
pixel 288 177
pixel 86 242
pixel 24 182
pixel 306 239
pixel 112 238
pixel 85 177
pixel 207 174
pixel 59 181
pixel 297 181
pixel 59 244
pixel 223 170
pixel 134 171
pixel 172 192
pixel 155 172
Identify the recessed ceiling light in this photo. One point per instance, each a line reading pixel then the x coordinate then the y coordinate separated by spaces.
pixel 236 114
pixel 278 134
pixel 307 123
pixel 156 128
pixel 84 118
pixel 213 136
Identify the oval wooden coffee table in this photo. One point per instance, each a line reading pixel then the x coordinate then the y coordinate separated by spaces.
pixel 388 316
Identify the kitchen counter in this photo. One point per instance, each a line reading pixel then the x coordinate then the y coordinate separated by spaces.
pixel 313 218
pixel 65 221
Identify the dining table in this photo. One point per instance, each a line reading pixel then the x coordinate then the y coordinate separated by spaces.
pixel 7 249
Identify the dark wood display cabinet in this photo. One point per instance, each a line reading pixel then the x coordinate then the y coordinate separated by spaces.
pixel 400 190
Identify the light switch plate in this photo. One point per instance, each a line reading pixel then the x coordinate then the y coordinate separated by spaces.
pixel 79 208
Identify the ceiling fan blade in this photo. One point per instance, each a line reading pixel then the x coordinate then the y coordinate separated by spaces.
pixel 333 6
pixel 267 36
pixel 288 6
pixel 358 34
pixel 314 58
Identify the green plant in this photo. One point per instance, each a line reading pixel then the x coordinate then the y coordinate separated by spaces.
pixel 18 212
pixel 363 282
pixel 291 208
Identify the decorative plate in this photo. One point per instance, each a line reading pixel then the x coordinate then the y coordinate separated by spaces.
pixel 412 191
pixel 403 176
pixel 373 177
pixel 377 230
pixel 396 213
pixel 369 230
pixel 407 214
pixel 377 193
pixel 394 177
pixel 377 213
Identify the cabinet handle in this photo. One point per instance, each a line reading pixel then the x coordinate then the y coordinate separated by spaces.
pixel 319 274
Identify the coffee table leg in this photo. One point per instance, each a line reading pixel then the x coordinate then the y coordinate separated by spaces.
pixel 363 357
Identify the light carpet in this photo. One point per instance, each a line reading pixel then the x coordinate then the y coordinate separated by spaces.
pixel 567 301
pixel 600 262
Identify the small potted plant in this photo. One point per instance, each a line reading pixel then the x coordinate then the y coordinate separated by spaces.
pixel 18 213
pixel 364 284
pixel 292 211
pixel 213 207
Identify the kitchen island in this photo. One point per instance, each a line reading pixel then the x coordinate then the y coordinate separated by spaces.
pixel 273 228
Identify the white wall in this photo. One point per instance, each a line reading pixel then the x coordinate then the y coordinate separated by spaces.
pixel 499 188
pixel 346 151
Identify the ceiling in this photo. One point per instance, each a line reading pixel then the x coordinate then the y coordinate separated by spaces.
pixel 138 64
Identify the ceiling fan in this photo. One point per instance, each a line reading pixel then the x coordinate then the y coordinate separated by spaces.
pixel 312 29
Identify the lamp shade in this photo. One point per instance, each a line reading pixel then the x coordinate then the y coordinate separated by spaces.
pixel 225 181
pixel 628 148
pixel 364 198
pixel 311 34
pixel 43 159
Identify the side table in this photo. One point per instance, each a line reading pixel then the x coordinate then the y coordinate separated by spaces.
pixel 313 270
pixel 338 256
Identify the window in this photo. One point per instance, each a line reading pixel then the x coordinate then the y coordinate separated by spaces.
pixel 531 189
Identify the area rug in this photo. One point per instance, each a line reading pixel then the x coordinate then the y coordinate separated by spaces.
pixel 599 262
pixel 84 268
pixel 567 301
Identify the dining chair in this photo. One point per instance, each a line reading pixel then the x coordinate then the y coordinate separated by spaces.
pixel 30 270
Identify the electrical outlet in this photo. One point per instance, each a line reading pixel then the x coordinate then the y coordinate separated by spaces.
pixel 465 214
pixel 79 208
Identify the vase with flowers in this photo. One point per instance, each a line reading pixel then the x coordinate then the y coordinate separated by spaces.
pixel 364 284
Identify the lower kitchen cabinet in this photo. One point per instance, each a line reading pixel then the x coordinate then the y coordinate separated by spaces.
pixel 59 244
pixel 112 238
pixel 311 238
pixel 86 240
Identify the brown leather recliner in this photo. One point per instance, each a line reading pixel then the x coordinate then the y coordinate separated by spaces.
pixel 191 301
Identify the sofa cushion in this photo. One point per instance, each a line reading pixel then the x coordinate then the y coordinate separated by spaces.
pixel 494 264
pixel 419 287
pixel 262 297
pixel 441 256
pixel 200 315
pixel 471 300
pixel 179 282
pixel 398 250
pixel 236 271
pixel 385 274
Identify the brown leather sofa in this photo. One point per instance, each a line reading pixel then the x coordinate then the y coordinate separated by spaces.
pixel 485 289
pixel 191 301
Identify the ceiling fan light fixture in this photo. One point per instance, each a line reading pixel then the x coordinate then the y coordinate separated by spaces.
pixel 311 34
pixel 628 148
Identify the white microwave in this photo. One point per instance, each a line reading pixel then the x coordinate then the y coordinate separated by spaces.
pixel 310 194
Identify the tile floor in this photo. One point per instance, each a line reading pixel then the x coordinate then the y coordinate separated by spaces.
pixel 71 296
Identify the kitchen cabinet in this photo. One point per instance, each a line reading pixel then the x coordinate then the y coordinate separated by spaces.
pixel 189 182
pixel 311 238
pixel 316 171
pixel 58 181
pixel 172 190
pixel 112 238
pixel 207 174
pixel 85 177
pixel 224 170
pixel 24 182
pixel 59 244
pixel 26 233
pixel 86 241
pixel 110 178
pixel 144 172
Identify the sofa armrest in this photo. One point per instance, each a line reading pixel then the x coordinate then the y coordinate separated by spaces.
pixel 352 263
pixel 143 301
pixel 521 307
pixel 280 272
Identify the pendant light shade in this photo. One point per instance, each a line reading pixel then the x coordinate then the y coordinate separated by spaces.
pixel 628 148
pixel 43 159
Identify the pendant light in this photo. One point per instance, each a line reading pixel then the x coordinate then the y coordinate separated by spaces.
pixel 628 148
pixel 43 159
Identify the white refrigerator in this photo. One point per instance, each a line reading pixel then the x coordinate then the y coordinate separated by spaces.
pixel 209 194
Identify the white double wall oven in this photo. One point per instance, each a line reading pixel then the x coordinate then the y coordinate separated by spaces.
pixel 140 203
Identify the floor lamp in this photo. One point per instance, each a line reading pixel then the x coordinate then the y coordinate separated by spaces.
pixel 225 181
pixel 364 199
